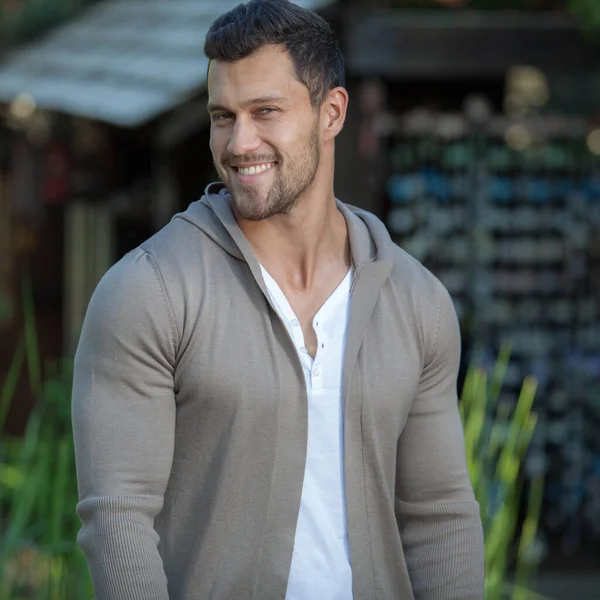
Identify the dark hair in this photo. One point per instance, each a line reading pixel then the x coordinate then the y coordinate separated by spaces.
pixel 307 38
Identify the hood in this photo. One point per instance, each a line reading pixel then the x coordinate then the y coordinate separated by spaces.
pixel 212 214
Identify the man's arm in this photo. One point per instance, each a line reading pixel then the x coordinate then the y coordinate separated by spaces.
pixel 123 423
pixel 437 514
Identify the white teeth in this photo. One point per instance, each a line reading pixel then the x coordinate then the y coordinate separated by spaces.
pixel 254 169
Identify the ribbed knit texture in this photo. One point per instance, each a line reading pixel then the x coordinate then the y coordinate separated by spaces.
pixel 190 423
pixel 121 539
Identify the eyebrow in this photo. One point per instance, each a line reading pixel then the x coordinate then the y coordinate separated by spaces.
pixel 262 100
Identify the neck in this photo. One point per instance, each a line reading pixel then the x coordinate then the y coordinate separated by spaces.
pixel 298 247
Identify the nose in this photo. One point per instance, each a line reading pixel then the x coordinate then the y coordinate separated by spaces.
pixel 244 138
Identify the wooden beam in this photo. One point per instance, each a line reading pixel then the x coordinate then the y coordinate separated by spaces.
pixel 454 44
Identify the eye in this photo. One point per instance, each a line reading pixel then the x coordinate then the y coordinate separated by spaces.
pixel 263 112
pixel 221 117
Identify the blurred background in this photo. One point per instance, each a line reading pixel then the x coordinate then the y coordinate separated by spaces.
pixel 473 132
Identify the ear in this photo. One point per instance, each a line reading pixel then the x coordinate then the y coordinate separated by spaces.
pixel 335 107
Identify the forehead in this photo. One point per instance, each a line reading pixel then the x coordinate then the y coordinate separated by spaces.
pixel 268 72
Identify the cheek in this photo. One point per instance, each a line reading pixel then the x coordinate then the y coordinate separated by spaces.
pixel 211 145
pixel 283 136
pixel 298 139
pixel 217 142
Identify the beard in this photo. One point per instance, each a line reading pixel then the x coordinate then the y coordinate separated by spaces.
pixel 254 203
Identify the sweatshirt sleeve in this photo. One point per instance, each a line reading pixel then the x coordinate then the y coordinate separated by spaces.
pixel 123 422
pixel 437 514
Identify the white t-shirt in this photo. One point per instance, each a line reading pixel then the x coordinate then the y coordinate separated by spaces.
pixel 320 567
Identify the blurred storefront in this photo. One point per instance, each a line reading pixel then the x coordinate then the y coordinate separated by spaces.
pixel 481 136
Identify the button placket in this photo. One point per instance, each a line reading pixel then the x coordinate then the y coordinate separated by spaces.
pixel 296 333
pixel 316 367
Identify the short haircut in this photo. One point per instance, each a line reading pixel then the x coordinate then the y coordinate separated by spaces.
pixel 307 38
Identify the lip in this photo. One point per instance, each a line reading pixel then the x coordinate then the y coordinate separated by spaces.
pixel 250 178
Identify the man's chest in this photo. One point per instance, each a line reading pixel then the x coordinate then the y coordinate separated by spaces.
pixel 242 359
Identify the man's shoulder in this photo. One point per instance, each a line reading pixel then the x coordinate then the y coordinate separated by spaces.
pixel 160 260
pixel 411 280
pixel 174 241
pixel 412 275
pixel 181 250
pixel 420 295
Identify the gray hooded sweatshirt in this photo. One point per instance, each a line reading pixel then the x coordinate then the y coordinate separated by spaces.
pixel 190 423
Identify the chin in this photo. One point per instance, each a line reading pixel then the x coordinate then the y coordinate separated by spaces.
pixel 248 210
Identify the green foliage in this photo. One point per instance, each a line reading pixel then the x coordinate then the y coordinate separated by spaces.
pixel 497 437
pixel 587 13
pixel 39 557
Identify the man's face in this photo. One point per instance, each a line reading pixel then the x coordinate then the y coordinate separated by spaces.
pixel 264 134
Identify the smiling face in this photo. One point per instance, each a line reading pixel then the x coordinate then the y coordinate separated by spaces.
pixel 265 134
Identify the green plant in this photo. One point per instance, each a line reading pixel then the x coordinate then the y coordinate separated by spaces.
pixel 39 557
pixel 497 437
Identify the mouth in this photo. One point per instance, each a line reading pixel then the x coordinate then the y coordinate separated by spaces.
pixel 248 173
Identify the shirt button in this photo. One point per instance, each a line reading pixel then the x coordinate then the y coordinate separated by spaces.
pixel 316 372
pixel 295 322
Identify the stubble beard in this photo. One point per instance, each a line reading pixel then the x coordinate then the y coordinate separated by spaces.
pixel 286 189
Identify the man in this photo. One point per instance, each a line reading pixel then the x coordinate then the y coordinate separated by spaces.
pixel 265 391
